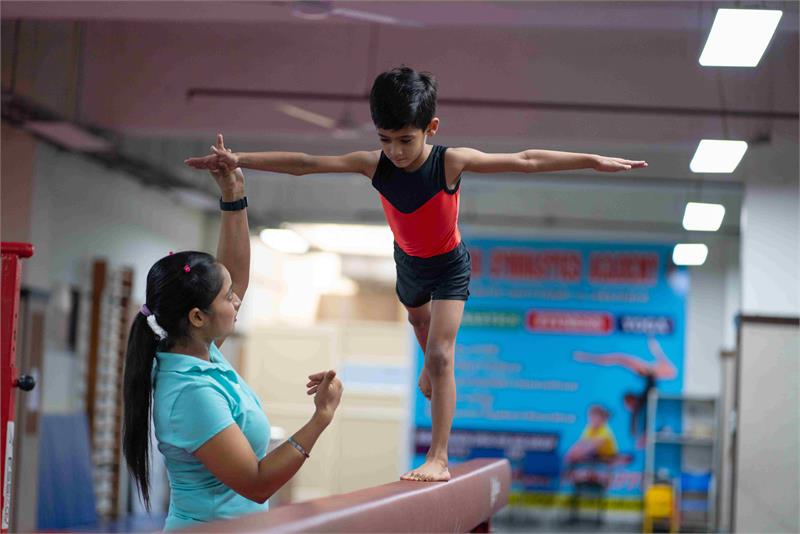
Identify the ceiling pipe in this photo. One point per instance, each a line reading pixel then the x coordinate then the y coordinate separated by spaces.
pixel 212 92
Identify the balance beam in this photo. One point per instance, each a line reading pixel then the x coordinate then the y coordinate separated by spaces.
pixel 478 489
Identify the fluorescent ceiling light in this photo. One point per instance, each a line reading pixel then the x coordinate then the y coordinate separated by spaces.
pixel 351 239
pixel 69 136
pixel 716 155
pixel 703 217
pixel 739 37
pixel 689 254
pixel 284 240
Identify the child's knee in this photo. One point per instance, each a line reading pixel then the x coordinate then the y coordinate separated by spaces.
pixel 438 360
pixel 419 322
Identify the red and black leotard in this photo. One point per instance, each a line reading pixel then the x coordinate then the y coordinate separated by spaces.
pixel 420 209
pixel 432 261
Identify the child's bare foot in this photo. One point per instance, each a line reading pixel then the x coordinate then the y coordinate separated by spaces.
pixel 430 471
pixel 425 384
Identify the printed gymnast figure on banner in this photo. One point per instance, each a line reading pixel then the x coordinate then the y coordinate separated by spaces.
pixel 651 371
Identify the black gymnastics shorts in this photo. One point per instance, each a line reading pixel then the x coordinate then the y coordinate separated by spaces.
pixel 442 277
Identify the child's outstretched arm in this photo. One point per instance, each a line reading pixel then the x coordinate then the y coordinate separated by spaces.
pixel 471 160
pixel 294 163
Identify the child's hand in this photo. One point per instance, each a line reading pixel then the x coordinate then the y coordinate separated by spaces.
pixel 213 161
pixel 224 156
pixel 229 179
pixel 206 162
pixel 606 164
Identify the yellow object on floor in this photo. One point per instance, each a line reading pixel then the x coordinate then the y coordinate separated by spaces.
pixel 659 505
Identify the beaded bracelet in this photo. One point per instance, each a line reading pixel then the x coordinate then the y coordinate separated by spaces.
pixel 299 447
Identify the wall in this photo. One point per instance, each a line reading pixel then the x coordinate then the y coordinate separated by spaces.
pixel 714 301
pixel 767 448
pixel 771 233
pixel 82 210
pixel 16 184
pixel 770 245
pixel 768 430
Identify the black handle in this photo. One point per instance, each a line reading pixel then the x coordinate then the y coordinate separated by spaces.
pixel 25 382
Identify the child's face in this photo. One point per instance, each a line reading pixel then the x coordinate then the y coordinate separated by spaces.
pixel 597 419
pixel 405 147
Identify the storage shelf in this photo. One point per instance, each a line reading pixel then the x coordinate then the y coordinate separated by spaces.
pixel 697 408
pixel 673 439
pixel 687 398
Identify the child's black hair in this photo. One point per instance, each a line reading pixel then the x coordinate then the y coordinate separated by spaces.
pixel 403 97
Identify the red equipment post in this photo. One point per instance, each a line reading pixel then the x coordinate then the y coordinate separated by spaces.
pixel 12 254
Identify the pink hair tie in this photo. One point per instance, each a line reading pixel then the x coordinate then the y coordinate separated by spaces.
pixel 186 268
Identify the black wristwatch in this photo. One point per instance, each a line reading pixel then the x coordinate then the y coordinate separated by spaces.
pixel 236 205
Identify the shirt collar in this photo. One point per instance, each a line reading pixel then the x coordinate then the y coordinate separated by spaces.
pixel 183 363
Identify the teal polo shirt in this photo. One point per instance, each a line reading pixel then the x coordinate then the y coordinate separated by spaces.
pixel 193 400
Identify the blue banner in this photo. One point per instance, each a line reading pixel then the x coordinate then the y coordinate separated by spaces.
pixel 559 344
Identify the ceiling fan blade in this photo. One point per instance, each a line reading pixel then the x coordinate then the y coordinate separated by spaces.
pixel 354 131
pixel 311 10
pixel 323 9
pixel 306 115
pixel 373 17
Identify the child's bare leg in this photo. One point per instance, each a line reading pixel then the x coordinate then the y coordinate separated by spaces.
pixel 663 368
pixel 420 319
pixel 445 320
